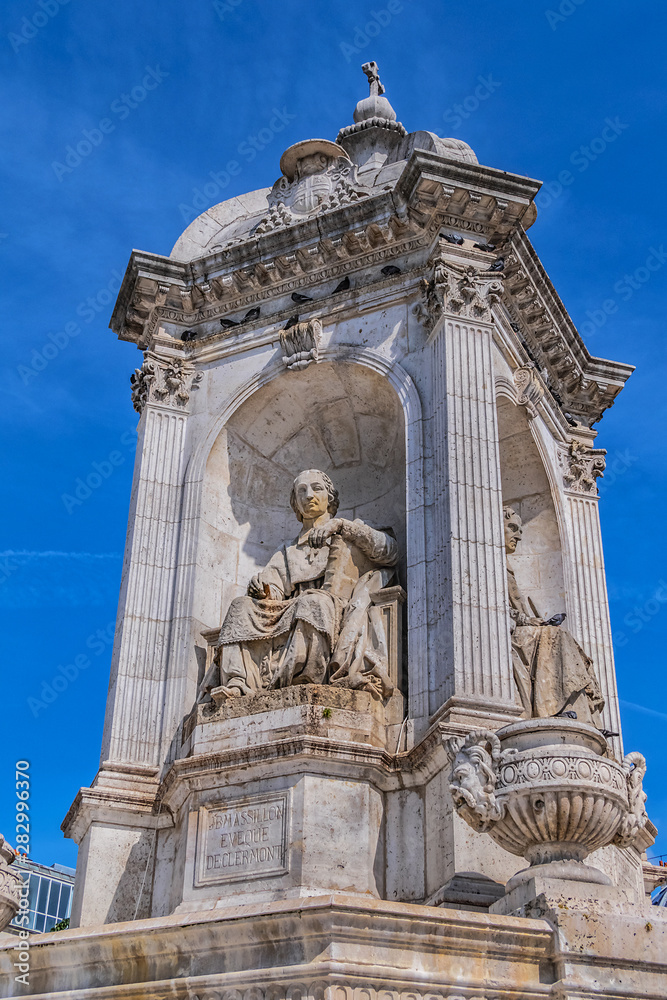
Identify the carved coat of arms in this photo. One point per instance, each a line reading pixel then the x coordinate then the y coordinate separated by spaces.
pixel 317 176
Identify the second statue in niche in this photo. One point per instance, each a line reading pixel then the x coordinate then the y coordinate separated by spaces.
pixel 552 673
pixel 309 617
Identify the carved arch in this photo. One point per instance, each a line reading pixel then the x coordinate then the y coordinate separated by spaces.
pixel 410 405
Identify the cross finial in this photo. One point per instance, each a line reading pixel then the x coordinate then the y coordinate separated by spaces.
pixel 371 71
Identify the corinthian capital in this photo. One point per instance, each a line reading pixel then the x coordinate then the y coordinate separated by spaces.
pixel 461 290
pixel 582 466
pixel 167 381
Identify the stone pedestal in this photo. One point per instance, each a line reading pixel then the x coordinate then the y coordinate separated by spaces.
pixel 338 947
pixel 300 791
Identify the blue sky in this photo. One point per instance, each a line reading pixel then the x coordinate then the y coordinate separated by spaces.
pixel 210 77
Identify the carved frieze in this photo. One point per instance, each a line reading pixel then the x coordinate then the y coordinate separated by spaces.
pixel 300 344
pixel 386 227
pixel 582 466
pixel 168 382
pixel 320 989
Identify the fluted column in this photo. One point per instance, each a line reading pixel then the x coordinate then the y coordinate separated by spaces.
pixel 469 646
pixel 139 666
pixel 588 603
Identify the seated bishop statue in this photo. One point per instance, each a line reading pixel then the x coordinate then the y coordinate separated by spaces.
pixel 309 616
pixel 553 674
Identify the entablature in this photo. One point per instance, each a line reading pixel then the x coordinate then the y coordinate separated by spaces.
pixel 430 193
pixel 442 216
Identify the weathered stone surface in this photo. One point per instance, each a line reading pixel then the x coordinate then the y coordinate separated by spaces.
pixel 381 318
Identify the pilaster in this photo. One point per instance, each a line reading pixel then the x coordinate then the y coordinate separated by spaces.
pixel 470 657
pixel 161 391
pixel 587 600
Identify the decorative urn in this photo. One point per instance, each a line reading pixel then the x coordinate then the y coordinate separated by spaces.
pixel 545 789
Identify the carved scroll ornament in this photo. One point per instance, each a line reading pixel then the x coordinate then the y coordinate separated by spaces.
pixel 529 386
pixel 300 344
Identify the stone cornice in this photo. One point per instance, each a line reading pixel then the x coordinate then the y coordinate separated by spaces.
pixel 111 805
pixel 118 788
pixel 478 180
pixel 383 768
pixel 460 287
pixel 431 192
pixel 585 386
pixel 244 287
pixel 336 940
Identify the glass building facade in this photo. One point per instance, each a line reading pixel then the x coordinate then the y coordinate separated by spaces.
pixel 49 894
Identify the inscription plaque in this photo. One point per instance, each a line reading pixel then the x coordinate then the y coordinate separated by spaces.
pixel 242 839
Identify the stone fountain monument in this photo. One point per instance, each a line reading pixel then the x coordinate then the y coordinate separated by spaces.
pixel 363 663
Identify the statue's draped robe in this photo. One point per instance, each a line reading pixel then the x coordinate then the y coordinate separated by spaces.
pixel 551 670
pixel 318 619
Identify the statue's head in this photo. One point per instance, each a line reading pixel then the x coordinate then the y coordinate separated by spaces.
pixel 313 494
pixel 513 529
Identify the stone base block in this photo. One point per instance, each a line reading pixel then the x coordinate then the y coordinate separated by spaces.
pixel 323 710
pixel 337 947
pixel 539 896
pixel 603 944
pixel 468 891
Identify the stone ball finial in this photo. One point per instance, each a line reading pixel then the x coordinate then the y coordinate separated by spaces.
pixel 374 106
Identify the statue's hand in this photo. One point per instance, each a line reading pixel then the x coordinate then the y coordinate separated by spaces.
pixel 256 589
pixel 522 619
pixel 318 536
